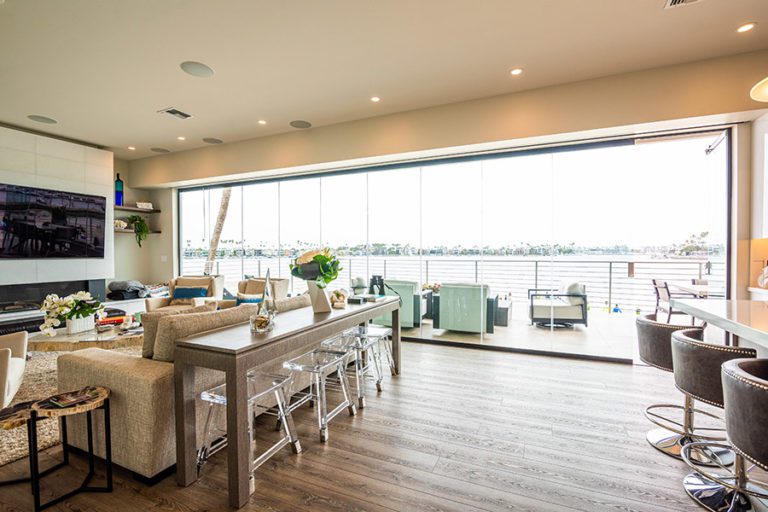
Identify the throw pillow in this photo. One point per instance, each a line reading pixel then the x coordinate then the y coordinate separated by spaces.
pixel 150 321
pixel 290 303
pixel 185 295
pixel 574 289
pixel 254 287
pixel 244 298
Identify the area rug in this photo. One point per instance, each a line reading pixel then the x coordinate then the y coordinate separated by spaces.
pixel 39 382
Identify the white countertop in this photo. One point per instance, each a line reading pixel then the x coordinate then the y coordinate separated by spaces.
pixel 746 319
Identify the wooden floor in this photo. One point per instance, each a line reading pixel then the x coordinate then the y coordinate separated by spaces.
pixel 460 430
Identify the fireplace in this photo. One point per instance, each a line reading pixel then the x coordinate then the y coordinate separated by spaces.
pixel 20 303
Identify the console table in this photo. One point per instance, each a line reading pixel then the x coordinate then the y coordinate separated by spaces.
pixel 235 350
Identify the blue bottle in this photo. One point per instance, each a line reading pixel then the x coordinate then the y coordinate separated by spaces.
pixel 118 191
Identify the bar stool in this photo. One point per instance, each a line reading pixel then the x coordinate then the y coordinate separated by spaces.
pixel 697 375
pixel 261 387
pixel 320 363
pixel 367 358
pixel 655 347
pixel 745 389
pixel 383 336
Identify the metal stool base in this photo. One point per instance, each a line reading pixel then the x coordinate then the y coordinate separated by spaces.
pixel 717 498
pixel 671 443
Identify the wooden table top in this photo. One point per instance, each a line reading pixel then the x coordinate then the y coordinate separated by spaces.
pixel 39 342
pixel 46 409
pixel 239 338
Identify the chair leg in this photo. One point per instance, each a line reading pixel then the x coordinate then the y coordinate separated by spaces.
pixel 322 407
pixel 287 420
pixel 345 390
pixel 359 379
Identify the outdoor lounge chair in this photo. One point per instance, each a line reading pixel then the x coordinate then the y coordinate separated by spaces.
pixel 561 308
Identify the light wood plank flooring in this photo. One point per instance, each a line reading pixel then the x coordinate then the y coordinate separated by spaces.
pixel 460 430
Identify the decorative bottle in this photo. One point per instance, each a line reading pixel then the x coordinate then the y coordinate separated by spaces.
pixel 118 191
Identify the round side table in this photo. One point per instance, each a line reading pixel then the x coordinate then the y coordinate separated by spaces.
pixel 29 413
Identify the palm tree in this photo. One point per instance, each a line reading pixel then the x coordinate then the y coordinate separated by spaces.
pixel 216 235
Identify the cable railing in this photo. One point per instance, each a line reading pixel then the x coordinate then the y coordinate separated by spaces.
pixel 622 284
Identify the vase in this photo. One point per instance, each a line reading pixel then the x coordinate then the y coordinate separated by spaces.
pixel 319 298
pixel 77 325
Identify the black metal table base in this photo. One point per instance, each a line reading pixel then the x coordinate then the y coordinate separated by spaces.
pixel 34 470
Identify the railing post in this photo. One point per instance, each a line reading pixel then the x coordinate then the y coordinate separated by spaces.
pixel 218 271
pixel 536 274
pixel 476 270
pixel 258 266
pixel 349 267
pixel 700 274
pixel 610 287
pixel 385 269
pixel 426 277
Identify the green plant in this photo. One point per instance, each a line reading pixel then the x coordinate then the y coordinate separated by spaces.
pixel 322 267
pixel 140 228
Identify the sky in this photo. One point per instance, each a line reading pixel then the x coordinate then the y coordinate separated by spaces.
pixel 647 194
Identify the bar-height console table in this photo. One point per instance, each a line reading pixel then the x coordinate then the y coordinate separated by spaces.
pixel 235 350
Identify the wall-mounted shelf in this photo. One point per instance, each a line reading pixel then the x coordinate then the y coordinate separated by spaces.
pixel 132 232
pixel 134 209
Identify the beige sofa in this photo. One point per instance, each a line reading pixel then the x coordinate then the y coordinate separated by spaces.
pixel 142 410
pixel 215 285
pixel 255 286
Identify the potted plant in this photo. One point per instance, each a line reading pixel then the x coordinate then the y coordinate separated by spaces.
pixel 140 228
pixel 78 311
pixel 317 268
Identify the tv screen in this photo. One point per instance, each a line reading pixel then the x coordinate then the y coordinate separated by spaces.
pixel 38 223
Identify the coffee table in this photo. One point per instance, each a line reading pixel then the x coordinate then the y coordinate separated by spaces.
pixel 111 339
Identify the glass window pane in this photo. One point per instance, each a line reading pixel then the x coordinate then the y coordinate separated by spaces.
pixel 299 224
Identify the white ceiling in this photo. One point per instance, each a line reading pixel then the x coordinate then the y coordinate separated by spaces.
pixel 103 68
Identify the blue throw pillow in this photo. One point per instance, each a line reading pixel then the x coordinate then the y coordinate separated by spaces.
pixel 248 299
pixel 183 292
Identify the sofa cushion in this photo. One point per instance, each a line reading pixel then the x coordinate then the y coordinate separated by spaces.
pixel 254 287
pixel 14 377
pixel 173 327
pixel 185 295
pixel 290 303
pixel 574 289
pixel 151 319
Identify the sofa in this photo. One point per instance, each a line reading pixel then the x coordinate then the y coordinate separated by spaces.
pixel 142 388
pixel 255 286
pixel 214 284
pixel 564 307
pixel 413 305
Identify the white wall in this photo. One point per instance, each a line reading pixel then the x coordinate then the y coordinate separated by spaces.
pixel 42 162
pixel 759 181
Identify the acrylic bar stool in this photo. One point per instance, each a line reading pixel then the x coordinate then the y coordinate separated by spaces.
pixel 319 364
pixel 263 389
pixel 367 359
pixel 382 336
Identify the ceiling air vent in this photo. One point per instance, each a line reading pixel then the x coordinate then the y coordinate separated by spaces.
pixel 669 4
pixel 175 113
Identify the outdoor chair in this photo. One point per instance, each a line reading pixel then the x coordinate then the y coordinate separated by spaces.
pixel 560 308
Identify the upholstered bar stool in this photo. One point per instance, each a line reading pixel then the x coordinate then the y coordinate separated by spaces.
pixel 366 352
pixel 320 363
pixel 745 390
pixel 263 391
pixel 654 340
pixel 697 375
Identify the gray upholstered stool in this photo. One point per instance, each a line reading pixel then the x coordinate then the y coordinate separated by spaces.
pixel 654 341
pixel 745 390
pixel 697 375
pixel 366 352
pixel 319 364
pixel 264 390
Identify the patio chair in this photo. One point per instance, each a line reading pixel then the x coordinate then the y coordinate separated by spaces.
pixel 559 308
pixel 412 307
pixel 663 298
pixel 464 308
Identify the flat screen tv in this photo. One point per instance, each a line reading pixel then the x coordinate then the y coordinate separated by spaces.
pixel 39 223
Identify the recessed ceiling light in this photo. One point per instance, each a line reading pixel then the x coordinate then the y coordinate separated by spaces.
pixel 212 140
pixel 180 137
pixel 261 121
pixel 132 148
pixel 375 99
pixel 746 27
pixel 197 69
pixel 302 125
pixel 42 119
pixel 160 150
pixel 516 72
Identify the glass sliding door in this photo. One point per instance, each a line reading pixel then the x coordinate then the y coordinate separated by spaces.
pixel 300 224
pixel 261 229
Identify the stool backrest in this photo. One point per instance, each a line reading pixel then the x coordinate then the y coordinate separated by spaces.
pixel 654 341
pixel 697 365
pixel 745 386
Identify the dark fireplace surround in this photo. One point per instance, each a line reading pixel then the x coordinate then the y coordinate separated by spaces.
pixel 27 298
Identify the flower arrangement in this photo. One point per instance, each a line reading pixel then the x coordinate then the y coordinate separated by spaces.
pixel 58 309
pixel 435 287
pixel 320 266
